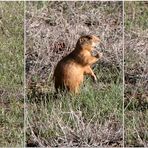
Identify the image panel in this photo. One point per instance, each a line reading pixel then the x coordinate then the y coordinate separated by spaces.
pixel 136 74
pixel 11 74
pixel 63 109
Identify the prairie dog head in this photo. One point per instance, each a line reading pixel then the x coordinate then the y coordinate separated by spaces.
pixel 88 42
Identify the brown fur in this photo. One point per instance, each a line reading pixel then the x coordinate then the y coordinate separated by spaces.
pixel 69 72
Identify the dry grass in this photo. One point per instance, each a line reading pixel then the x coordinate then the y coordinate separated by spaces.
pixel 94 118
pixel 52 32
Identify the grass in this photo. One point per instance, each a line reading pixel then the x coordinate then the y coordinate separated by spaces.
pixel 136 17
pixel 11 74
pixel 136 103
pixel 94 117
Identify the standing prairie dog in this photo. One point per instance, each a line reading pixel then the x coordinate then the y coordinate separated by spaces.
pixel 70 71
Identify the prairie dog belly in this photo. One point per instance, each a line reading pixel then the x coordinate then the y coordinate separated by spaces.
pixel 68 75
pixel 73 75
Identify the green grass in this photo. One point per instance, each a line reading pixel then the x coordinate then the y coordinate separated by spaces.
pixel 136 15
pixel 95 106
pixel 136 123
pixel 136 104
pixel 69 119
pixel 11 74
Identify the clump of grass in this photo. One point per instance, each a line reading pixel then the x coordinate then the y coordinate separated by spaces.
pixel 11 74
